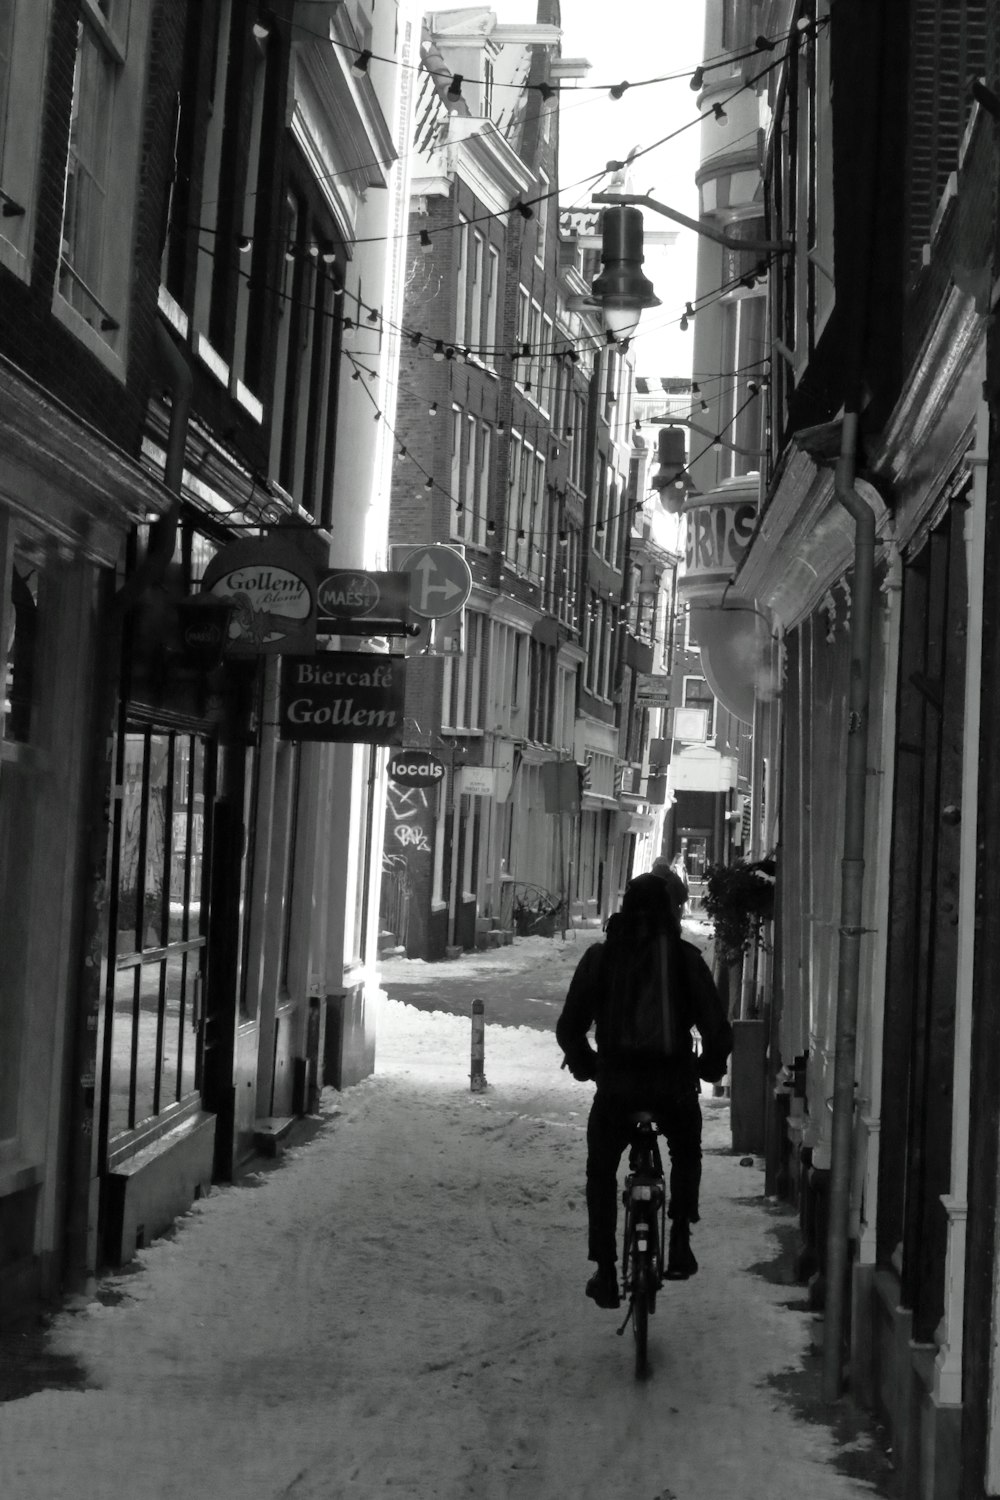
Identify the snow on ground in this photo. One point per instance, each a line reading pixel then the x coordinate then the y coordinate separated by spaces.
pixel 398 1310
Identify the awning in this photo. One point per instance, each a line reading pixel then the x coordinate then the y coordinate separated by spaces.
pixel 738 654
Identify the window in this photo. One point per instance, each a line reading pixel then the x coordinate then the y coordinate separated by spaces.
pixel 476 270
pixel 23 38
pixel 483 483
pixel 464 490
pixel 488 334
pixel 461 280
pixel 306 373
pixel 698 694
pixel 544 362
pixel 541 214
pixel 455 478
pixel 462 706
pixel 158 936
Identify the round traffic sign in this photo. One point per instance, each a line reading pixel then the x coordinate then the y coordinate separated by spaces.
pixel 440 580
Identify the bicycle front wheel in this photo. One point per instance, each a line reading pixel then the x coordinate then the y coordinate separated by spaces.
pixel 641 1285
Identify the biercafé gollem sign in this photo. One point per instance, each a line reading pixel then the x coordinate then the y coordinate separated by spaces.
pixel 345 696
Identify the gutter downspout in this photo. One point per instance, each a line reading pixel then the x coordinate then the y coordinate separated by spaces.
pixel 851 907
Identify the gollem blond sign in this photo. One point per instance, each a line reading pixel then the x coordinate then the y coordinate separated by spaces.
pixel 346 696
pixel 271 587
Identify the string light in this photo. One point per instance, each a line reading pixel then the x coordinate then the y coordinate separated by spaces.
pixel 618 89
pixel 525 209
pixel 719 113
pixel 432 410
pixel 697 79
pixel 455 88
pixel 425 242
pixel 438 350
pixel 359 67
pixel 246 244
pixel 717 61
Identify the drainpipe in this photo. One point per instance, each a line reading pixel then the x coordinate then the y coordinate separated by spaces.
pixel 851 907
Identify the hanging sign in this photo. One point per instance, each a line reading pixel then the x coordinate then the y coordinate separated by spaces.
pixel 415 768
pixel 345 696
pixel 477 781
pixel 355 602
pixel 271 587
pixel 717 537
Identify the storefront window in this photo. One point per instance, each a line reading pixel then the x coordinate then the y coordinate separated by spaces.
pixel 158 931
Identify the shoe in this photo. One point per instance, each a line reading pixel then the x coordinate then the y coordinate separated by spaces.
pixel 680 1259
pixel 602 1287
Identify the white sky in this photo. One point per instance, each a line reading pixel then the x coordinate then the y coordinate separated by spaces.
pixel 635 40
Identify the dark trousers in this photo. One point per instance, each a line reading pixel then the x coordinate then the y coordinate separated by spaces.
pixel 678 1117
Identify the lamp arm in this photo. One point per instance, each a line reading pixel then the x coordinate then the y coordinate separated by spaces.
pixel 643 200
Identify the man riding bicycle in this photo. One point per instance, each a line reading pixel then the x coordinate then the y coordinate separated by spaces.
pixel 643 990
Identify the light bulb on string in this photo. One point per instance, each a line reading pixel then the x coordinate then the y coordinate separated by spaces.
pixel 359 67
pixel 720 114
pixel 432 410
pixel 618 89
pixel 438 353
pixel 425 241
pixel 455 88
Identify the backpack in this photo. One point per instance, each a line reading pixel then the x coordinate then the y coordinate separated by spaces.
pixel 642 1009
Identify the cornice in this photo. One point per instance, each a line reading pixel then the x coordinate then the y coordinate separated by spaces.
pixel 67 476
pixel 357 138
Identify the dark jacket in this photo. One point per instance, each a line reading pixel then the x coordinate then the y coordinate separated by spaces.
pixel 701 1007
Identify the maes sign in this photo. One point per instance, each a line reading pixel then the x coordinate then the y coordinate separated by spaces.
pixel 346 696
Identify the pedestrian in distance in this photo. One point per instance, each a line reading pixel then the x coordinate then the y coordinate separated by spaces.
pixel 643 990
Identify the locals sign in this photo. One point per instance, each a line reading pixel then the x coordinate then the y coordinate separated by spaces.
pixel 344 696
pixel 415 768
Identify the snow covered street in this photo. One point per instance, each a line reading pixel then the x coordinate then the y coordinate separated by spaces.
pixel 398 1309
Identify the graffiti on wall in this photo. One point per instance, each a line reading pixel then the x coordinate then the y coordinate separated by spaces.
pixel 408 818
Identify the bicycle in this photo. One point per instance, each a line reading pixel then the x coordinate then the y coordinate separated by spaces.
pixel 644 1234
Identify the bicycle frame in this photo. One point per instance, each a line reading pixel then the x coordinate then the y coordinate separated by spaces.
pixel 644 1233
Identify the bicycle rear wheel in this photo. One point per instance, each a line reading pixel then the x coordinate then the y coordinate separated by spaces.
pixel 641 1282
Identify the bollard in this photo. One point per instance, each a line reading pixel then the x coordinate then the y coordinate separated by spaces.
pixel 477 1078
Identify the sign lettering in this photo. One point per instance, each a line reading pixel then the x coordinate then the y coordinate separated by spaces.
pixel 342 696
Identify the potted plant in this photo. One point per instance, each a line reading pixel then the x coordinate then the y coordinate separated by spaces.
pixel 738 899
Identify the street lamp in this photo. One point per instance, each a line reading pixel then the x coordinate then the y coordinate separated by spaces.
pixel 621 289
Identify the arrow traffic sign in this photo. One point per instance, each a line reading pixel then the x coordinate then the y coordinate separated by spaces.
pixel 440 580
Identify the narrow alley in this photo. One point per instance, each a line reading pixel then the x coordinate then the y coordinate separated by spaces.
pixel 397 1308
